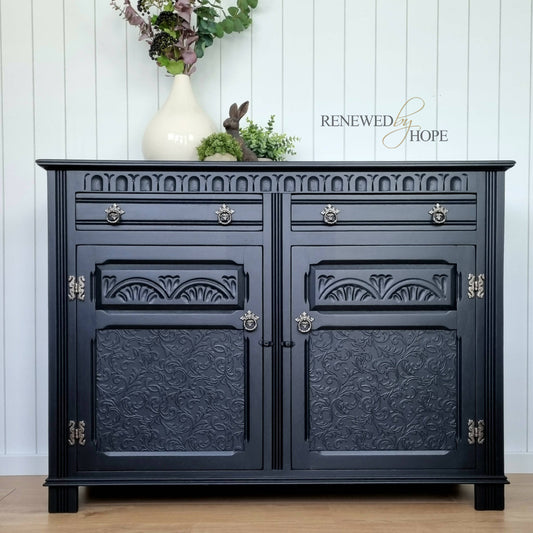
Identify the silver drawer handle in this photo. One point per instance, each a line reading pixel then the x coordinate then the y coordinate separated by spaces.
pixel 114 214
pixel 305 323
pixel 249 320
pixel 225 214
pixel 438 214
pixel 330 214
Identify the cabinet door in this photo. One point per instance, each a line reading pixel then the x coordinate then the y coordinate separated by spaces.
pixel 385 377
pixel 168 377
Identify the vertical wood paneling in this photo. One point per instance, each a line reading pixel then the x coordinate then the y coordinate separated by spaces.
pixel 3 402
pixel 329 79
pixel 483 81
pixel 298 89
pixel 452 109
pixel 422 34
pixel 360 64
pixel 206 84
pixel 267 63
pixel 80 79
pixel 391 65
pixel 19 244
pixel 142 97
pixel 236 70
pixel 514 144
pixel 111 84
pixel 49 79
pixel 530 265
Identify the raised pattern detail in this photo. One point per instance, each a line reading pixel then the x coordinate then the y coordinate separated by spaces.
pixel 272 182
pixel 382 390
pixel 374 285
pixel 164 390
pixel 125 285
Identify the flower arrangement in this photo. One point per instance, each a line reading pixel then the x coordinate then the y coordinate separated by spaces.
pixel 179 31
pixel 219 143
pixel 266 143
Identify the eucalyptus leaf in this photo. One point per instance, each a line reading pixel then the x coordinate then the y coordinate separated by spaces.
pixel 173 67
pixel 219 31
pixel 244 18
pixel 237 24
pixel 227 25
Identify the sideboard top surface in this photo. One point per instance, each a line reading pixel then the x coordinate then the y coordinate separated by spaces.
pixel 272 166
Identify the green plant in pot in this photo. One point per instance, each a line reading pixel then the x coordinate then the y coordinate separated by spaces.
pixel 266 143
pixel 219 147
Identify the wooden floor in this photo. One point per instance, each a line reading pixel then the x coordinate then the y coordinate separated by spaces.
pixel 23 508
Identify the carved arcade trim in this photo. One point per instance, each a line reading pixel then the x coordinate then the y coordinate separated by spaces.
pixel 247 182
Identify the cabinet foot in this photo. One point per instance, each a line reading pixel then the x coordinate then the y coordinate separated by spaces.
pixel 62 499
pixel 489 497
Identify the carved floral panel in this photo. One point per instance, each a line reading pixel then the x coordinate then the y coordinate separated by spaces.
pixel 170 390
pixel 367 285
pixel 182 285
pixel 382 390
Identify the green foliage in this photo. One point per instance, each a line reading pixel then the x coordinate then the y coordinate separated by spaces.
pixel 173 67
pixel 219 143
pixel 179 31
pixel 264 142
pixel 213 22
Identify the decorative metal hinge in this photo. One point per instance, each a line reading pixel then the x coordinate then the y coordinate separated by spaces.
pixel 476 286
pixel 476 434
pixel 76 288
pixel 76 433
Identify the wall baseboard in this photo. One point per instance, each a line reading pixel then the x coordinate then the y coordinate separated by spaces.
pixel 37 465
pixel 23 465
pixel 519 463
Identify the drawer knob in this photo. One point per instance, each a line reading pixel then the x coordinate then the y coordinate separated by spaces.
pixel 305 323
pixel 438 214
pixel 225 214
pixel 114 214
pixel 330 214
pixel 249 320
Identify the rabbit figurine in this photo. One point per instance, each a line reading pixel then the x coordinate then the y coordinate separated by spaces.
pixel 232 127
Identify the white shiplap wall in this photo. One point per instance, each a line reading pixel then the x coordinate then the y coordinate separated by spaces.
pixel 76 83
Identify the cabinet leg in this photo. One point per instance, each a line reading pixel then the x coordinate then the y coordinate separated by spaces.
pixel 62 499
pixel 489 497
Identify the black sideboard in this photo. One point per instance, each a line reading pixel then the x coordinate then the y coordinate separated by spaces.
pixel 253 323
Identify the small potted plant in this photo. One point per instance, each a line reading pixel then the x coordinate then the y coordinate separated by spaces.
pixel 266 143
pixel 219 147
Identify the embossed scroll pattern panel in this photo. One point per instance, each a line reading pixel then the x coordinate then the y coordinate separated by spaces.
pixel 382 390
pixel 164 390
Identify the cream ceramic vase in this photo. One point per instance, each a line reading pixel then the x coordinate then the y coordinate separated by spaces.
pixel 178 127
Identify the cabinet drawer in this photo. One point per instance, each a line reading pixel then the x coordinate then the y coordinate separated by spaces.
pixel 187 212
pixel 402 212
